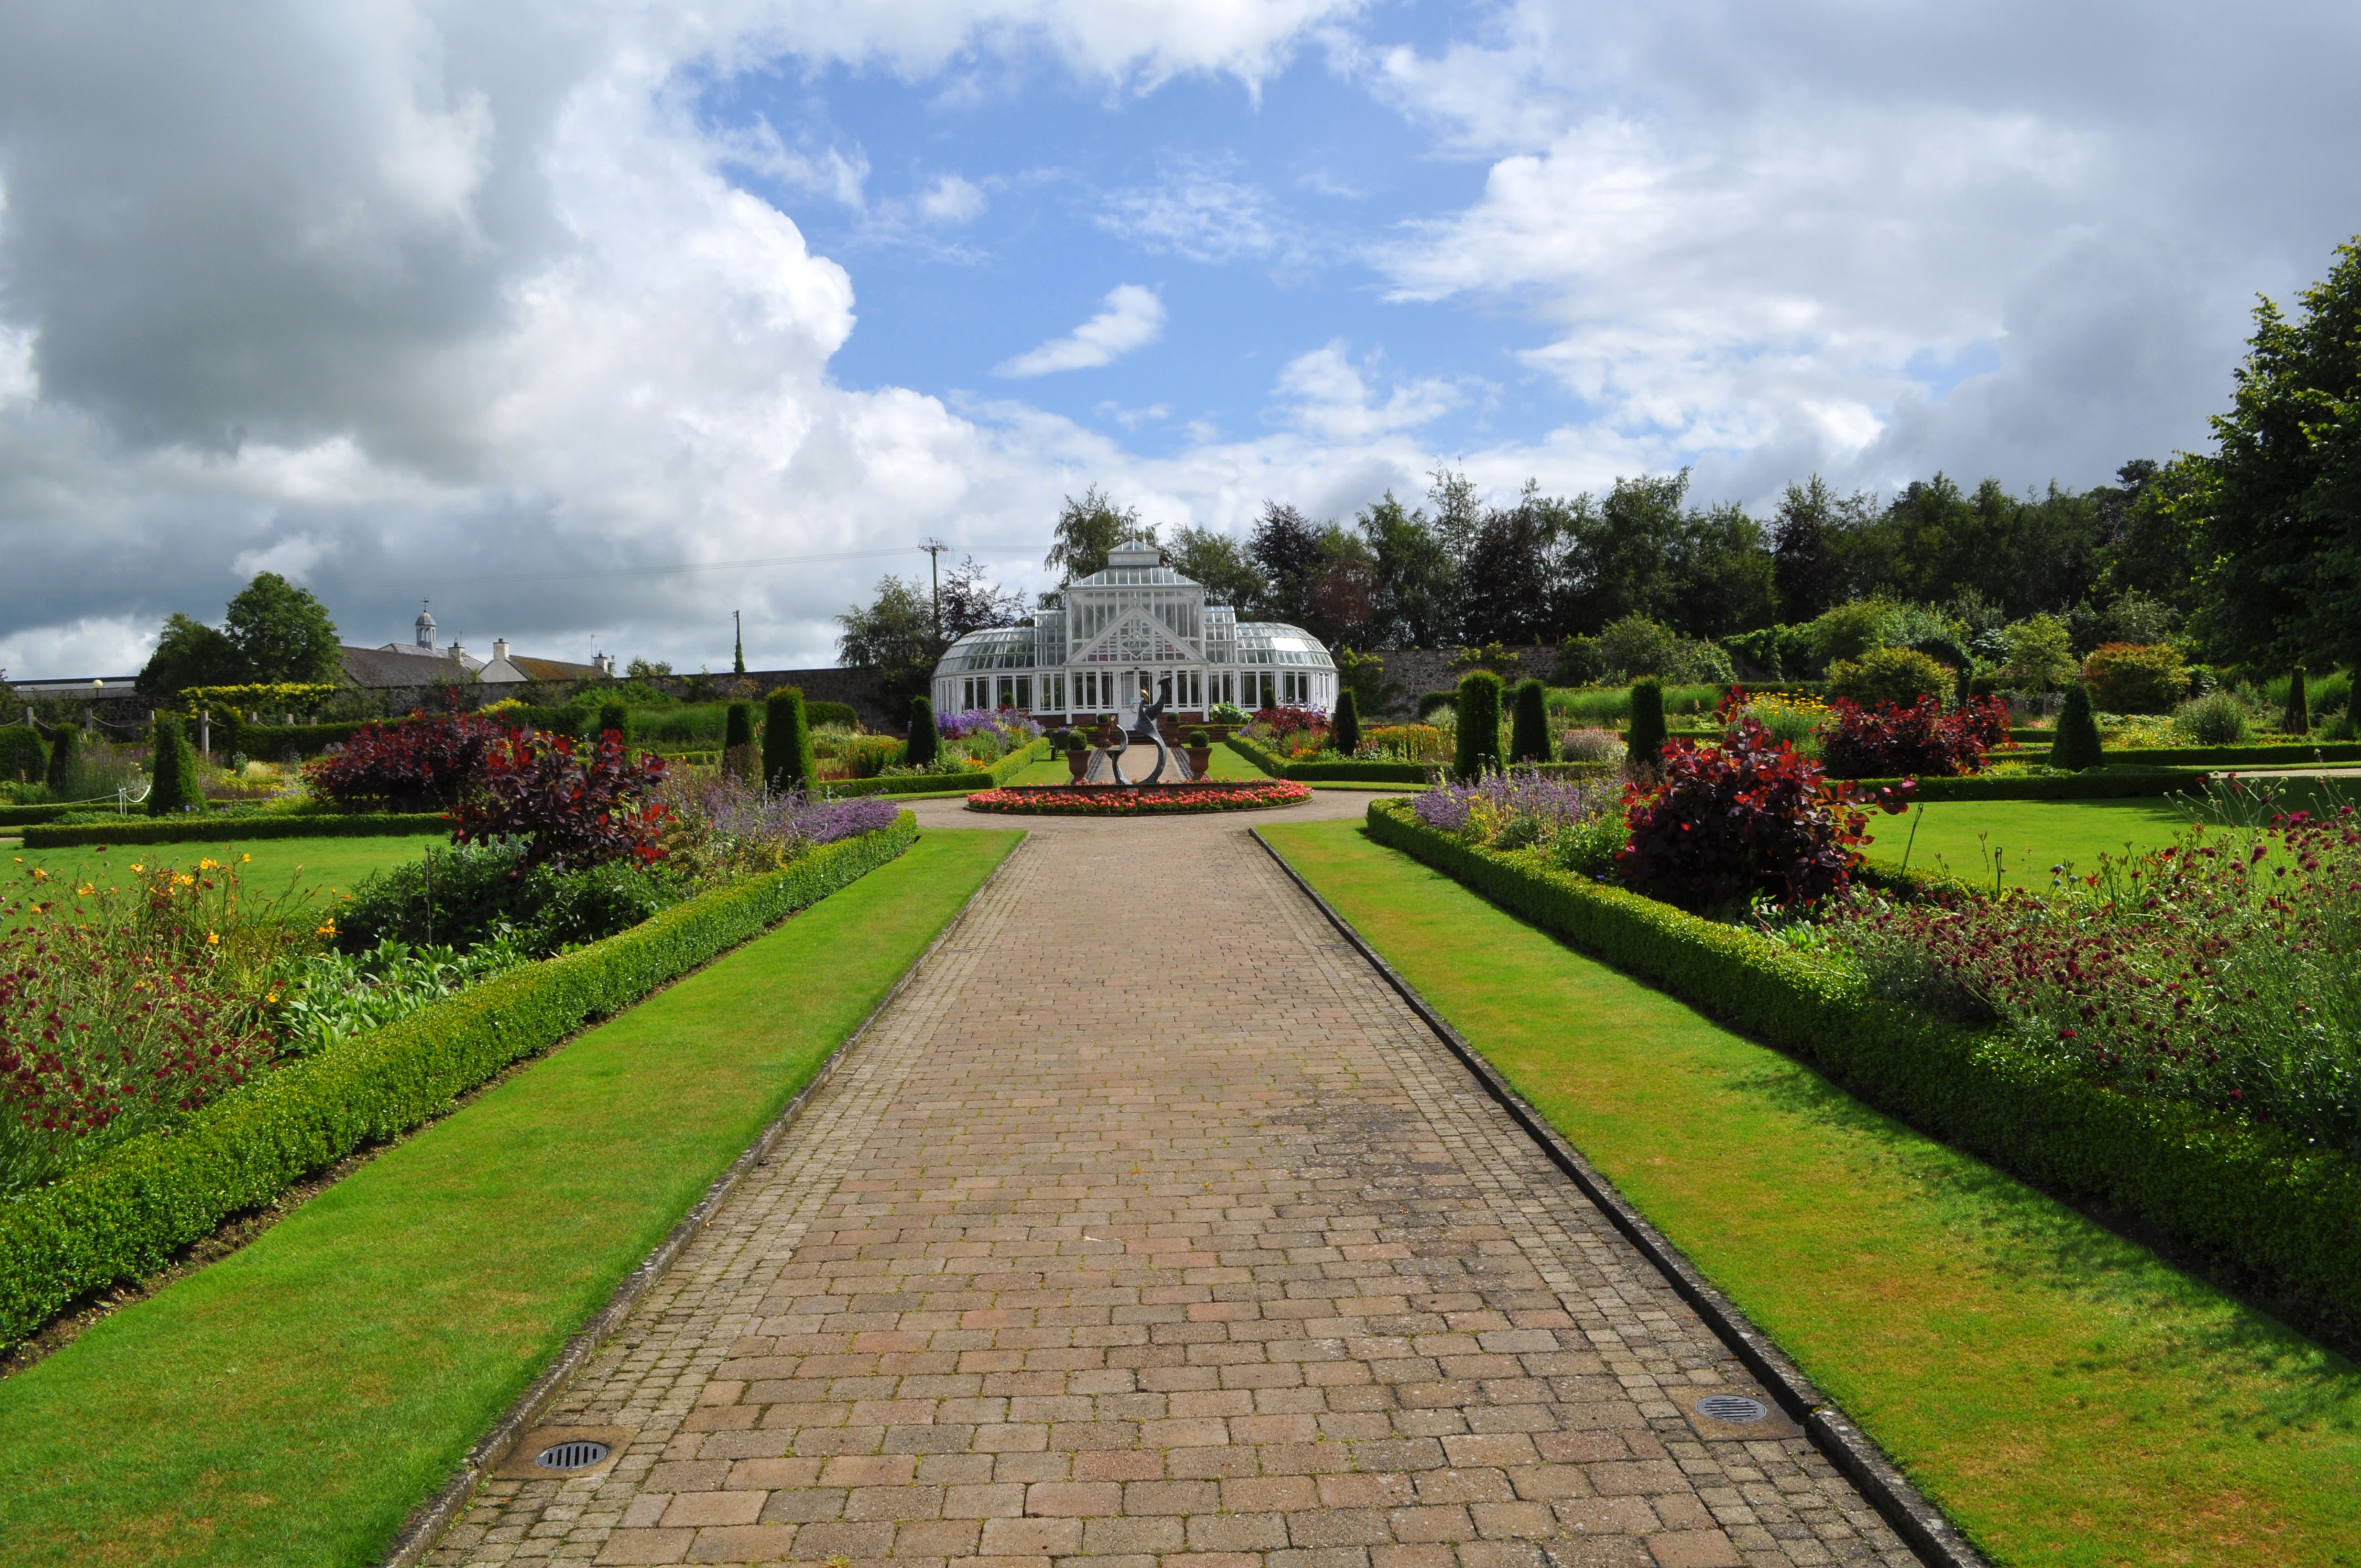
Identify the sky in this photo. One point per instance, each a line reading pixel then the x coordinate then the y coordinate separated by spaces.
pixel 593 323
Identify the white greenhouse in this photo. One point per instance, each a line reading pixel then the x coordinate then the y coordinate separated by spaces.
pixel 1135 625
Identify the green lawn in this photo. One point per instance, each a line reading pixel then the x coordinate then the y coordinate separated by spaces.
pixel 320 866
pixel 292 1403
pixel 2067 1399
pixel 2031 836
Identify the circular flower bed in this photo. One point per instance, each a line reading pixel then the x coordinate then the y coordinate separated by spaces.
pixel 1146 800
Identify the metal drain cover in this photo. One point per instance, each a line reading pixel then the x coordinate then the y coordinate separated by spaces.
pixel 1735 1408
pixel 576 1455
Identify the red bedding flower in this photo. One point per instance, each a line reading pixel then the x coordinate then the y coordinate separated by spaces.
pixel 1120 800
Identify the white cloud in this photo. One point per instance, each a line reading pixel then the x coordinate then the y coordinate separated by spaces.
pixel 951 200
pixel 1197 212
pixel 1133 318
pixel 1329 397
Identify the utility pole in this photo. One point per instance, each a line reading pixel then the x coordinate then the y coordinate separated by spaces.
pixel 934 549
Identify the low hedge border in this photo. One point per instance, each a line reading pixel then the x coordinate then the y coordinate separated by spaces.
pixel 2288 1213
pixel 1278 767
pixel 2293 754
pixel 2094 784
pixel 203 828
pixel 270 742
pixel 27 816
pixel 127 1213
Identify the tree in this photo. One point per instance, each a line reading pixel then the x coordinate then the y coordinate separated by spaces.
pixel 1417 582
pixel 1087 530
pixel 2040 652
pixel 190 653
pixel 1507 596
pixel 1346 724
pixel 1621 559
pixel 1805 568
pixel 62 757
pixel 283 634
pixel 1344 597
pixel 1221 563
pixel 972 604
pixel 894 636
pixel 647 669
pixel 2283 515
pixel 1285 548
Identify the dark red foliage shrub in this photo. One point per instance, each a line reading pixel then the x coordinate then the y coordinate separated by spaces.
pixel 1750 816
pixel 422 764
pixel 575 808
pixel 1285 721
pixel 1921 741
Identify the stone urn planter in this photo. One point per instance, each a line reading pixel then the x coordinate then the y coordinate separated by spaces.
pixel 1200 758
pixel 1078 761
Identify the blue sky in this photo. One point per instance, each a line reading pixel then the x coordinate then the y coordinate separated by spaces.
pixel 597 324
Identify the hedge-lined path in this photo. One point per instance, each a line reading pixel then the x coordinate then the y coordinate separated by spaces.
pixel 1148 1229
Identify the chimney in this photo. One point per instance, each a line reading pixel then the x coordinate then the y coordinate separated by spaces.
pixel 499 647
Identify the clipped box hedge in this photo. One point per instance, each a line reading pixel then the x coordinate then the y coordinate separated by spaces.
pixel 1278 767
pixel 131 1208
pixel 2096 783
pixel 2293 754
pixel 25 815
pixel 2289 1213
pixel 202 828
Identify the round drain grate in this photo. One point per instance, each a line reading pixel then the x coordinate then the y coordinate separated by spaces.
pixel 1736 1408
pixel 570 1456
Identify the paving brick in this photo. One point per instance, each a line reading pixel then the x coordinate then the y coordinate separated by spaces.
pixel 1132 1250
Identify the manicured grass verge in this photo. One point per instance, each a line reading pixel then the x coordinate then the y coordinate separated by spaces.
pixel 316 866
pixel 2067 1397
pixel 2288 1211
pixel 200 826
pixel 1959 836
pixel 292 1404
pixel 125 1212
pixel 2104 783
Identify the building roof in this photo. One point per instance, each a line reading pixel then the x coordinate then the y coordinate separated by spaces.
pixel 523 667
pixel 401 665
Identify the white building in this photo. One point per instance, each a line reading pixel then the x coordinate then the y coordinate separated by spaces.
pixel 1136 623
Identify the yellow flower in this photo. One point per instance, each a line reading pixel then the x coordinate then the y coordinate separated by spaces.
pixel 40 875
pixel 213 938
pixel 272 997
pixel 136 870
pixel 208 865
pixel 243 859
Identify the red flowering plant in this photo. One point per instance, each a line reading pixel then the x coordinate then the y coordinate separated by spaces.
pixel 572 806
pixel 1751 816
pixel 422 764
pixel 127 1000
pixel 2217 969
pixel 1293 731
pixel 1921 740
pixel 1118 800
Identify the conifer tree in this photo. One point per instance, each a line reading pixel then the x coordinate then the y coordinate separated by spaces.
pixel 1346 726
pixel 923 736
pixel 1529 736
pixel 1479 725
pixel 2077 746
pixel 787 761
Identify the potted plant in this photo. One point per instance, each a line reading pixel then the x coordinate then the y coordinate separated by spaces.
pixel 1200 752
pixel 1078 754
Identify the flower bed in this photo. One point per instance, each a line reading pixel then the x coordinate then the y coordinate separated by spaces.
pixel 1143 800
pixel 2258 1195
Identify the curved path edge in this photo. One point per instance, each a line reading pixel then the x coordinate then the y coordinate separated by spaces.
pixel 1917 1521
pixel 426 1524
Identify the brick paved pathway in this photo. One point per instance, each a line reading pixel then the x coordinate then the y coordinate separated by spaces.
pixel 1149 1230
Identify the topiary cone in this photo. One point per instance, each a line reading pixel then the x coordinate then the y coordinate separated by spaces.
pixel 1346 724
pixel 737 740
pixel 787 742
pixel 1644 746
pixel 2298 719
pixel 1529 739
pixel 174 788
pixel 920 750
pixel 63 755
pixel 1479 725
pixel 2077 746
